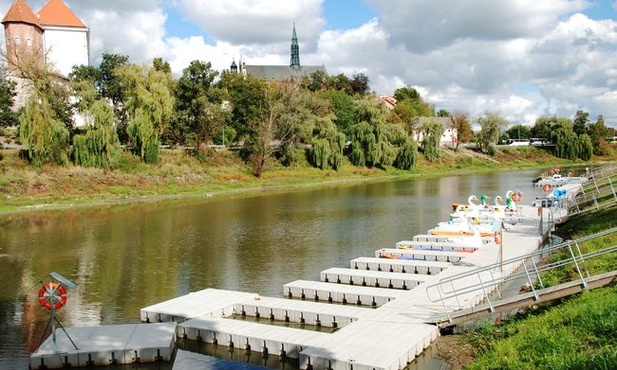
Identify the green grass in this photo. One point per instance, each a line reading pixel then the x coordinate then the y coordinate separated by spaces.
pixel 577 334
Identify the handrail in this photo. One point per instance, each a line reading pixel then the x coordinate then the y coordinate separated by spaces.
pixel 446 289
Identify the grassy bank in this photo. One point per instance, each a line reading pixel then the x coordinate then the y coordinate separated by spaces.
pixel 178 174
pixel 577 333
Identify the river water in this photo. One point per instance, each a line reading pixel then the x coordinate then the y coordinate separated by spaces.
pixel 126 257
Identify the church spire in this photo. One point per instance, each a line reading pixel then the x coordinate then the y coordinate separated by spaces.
pixel 295 50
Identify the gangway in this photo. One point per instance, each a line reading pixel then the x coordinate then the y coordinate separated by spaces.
pixel 459 297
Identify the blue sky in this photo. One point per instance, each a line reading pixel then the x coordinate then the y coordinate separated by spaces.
pixel 520 58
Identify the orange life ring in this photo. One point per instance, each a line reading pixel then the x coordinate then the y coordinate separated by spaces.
pixel 546 188
pixel 52 292
pixel 497 238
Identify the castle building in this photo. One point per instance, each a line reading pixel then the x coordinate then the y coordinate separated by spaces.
pixel 279 72
pixel 54 36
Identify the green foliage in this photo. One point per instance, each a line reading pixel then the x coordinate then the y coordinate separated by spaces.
pixel 461 123
pixel 144 138
pixel 149 106
pixel 576 335
pixel 566 142
pixel 198 114
pixel 585 148
pixel 46 138
pixel 371 143
pixel 8 117
pixel 431 133
pixel 326 149
pixel 519 132
pixel 598 133
pixel 580 123
pixel 99 146
pixel 415 104
pixel 491 126
pixel 407 149
pixel 344 109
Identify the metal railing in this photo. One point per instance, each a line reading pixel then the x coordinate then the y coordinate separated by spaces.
pixel 467 289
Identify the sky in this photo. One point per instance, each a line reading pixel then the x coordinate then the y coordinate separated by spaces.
pixel 520 58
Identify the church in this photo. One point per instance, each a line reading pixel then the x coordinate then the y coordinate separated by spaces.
pixel 54 35
pixel 279 72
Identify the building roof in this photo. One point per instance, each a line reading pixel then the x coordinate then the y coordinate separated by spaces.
pixel 446 122
pixel 57 13
pixel 21 12
pixel 280 73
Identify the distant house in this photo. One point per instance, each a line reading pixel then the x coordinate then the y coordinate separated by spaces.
pixel 449 137
pixel 387 101
pixel 279 72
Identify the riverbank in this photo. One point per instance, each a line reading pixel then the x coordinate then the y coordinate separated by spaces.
pixel 25 188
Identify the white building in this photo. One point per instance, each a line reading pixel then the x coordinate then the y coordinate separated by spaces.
pixel 55 35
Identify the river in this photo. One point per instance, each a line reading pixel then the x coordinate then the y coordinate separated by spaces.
pixel 126 257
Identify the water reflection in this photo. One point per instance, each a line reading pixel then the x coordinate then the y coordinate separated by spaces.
pixel 126 257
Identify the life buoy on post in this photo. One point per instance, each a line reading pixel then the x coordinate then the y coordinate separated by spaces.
pixel 546 188
pixel 497 237
pixel 52 293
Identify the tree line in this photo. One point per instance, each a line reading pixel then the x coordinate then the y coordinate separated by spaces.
pixel 319 119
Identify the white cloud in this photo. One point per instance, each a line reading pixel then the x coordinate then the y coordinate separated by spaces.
pixel 523 58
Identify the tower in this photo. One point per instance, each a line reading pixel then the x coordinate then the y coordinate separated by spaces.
pixel 24 36
pixel 295 50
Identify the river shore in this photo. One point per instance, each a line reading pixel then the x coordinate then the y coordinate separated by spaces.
pixel 178 175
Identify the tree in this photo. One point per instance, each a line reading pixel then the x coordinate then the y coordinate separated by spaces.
pixel 45 137
pixel 344 109
pixel 518 132
pixel 8 117
pixel 99 146
pixel 585 149
pixel 443 113
pixel 360 84
pixel 462 125
pixel 247 99
pixel 416 104
pixel 149 106
pixel 326 146
pixel 566 141
pixel 273 126
pixel 369 140
pixel 199 117
pixel 598 132
pixel 431 135
pixel 581 120
pixel 491 126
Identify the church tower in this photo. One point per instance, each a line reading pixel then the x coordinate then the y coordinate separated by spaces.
pixel 24 36
pixel 295 50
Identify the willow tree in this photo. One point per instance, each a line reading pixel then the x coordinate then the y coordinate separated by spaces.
pixel 491 126
pixel 369 142
pixel 585 147
pixel 431 135
pixel 46 138
pixel 566 142
pixel 326 146
pixel 99 146
pixel 407 149
pixel 149 107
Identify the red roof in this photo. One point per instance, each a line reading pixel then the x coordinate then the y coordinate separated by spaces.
pixel 56 13
pixel 20 12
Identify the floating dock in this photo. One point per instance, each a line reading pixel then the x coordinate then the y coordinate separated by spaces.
pixel 378 306
pixel 106 345
pixel 377 310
